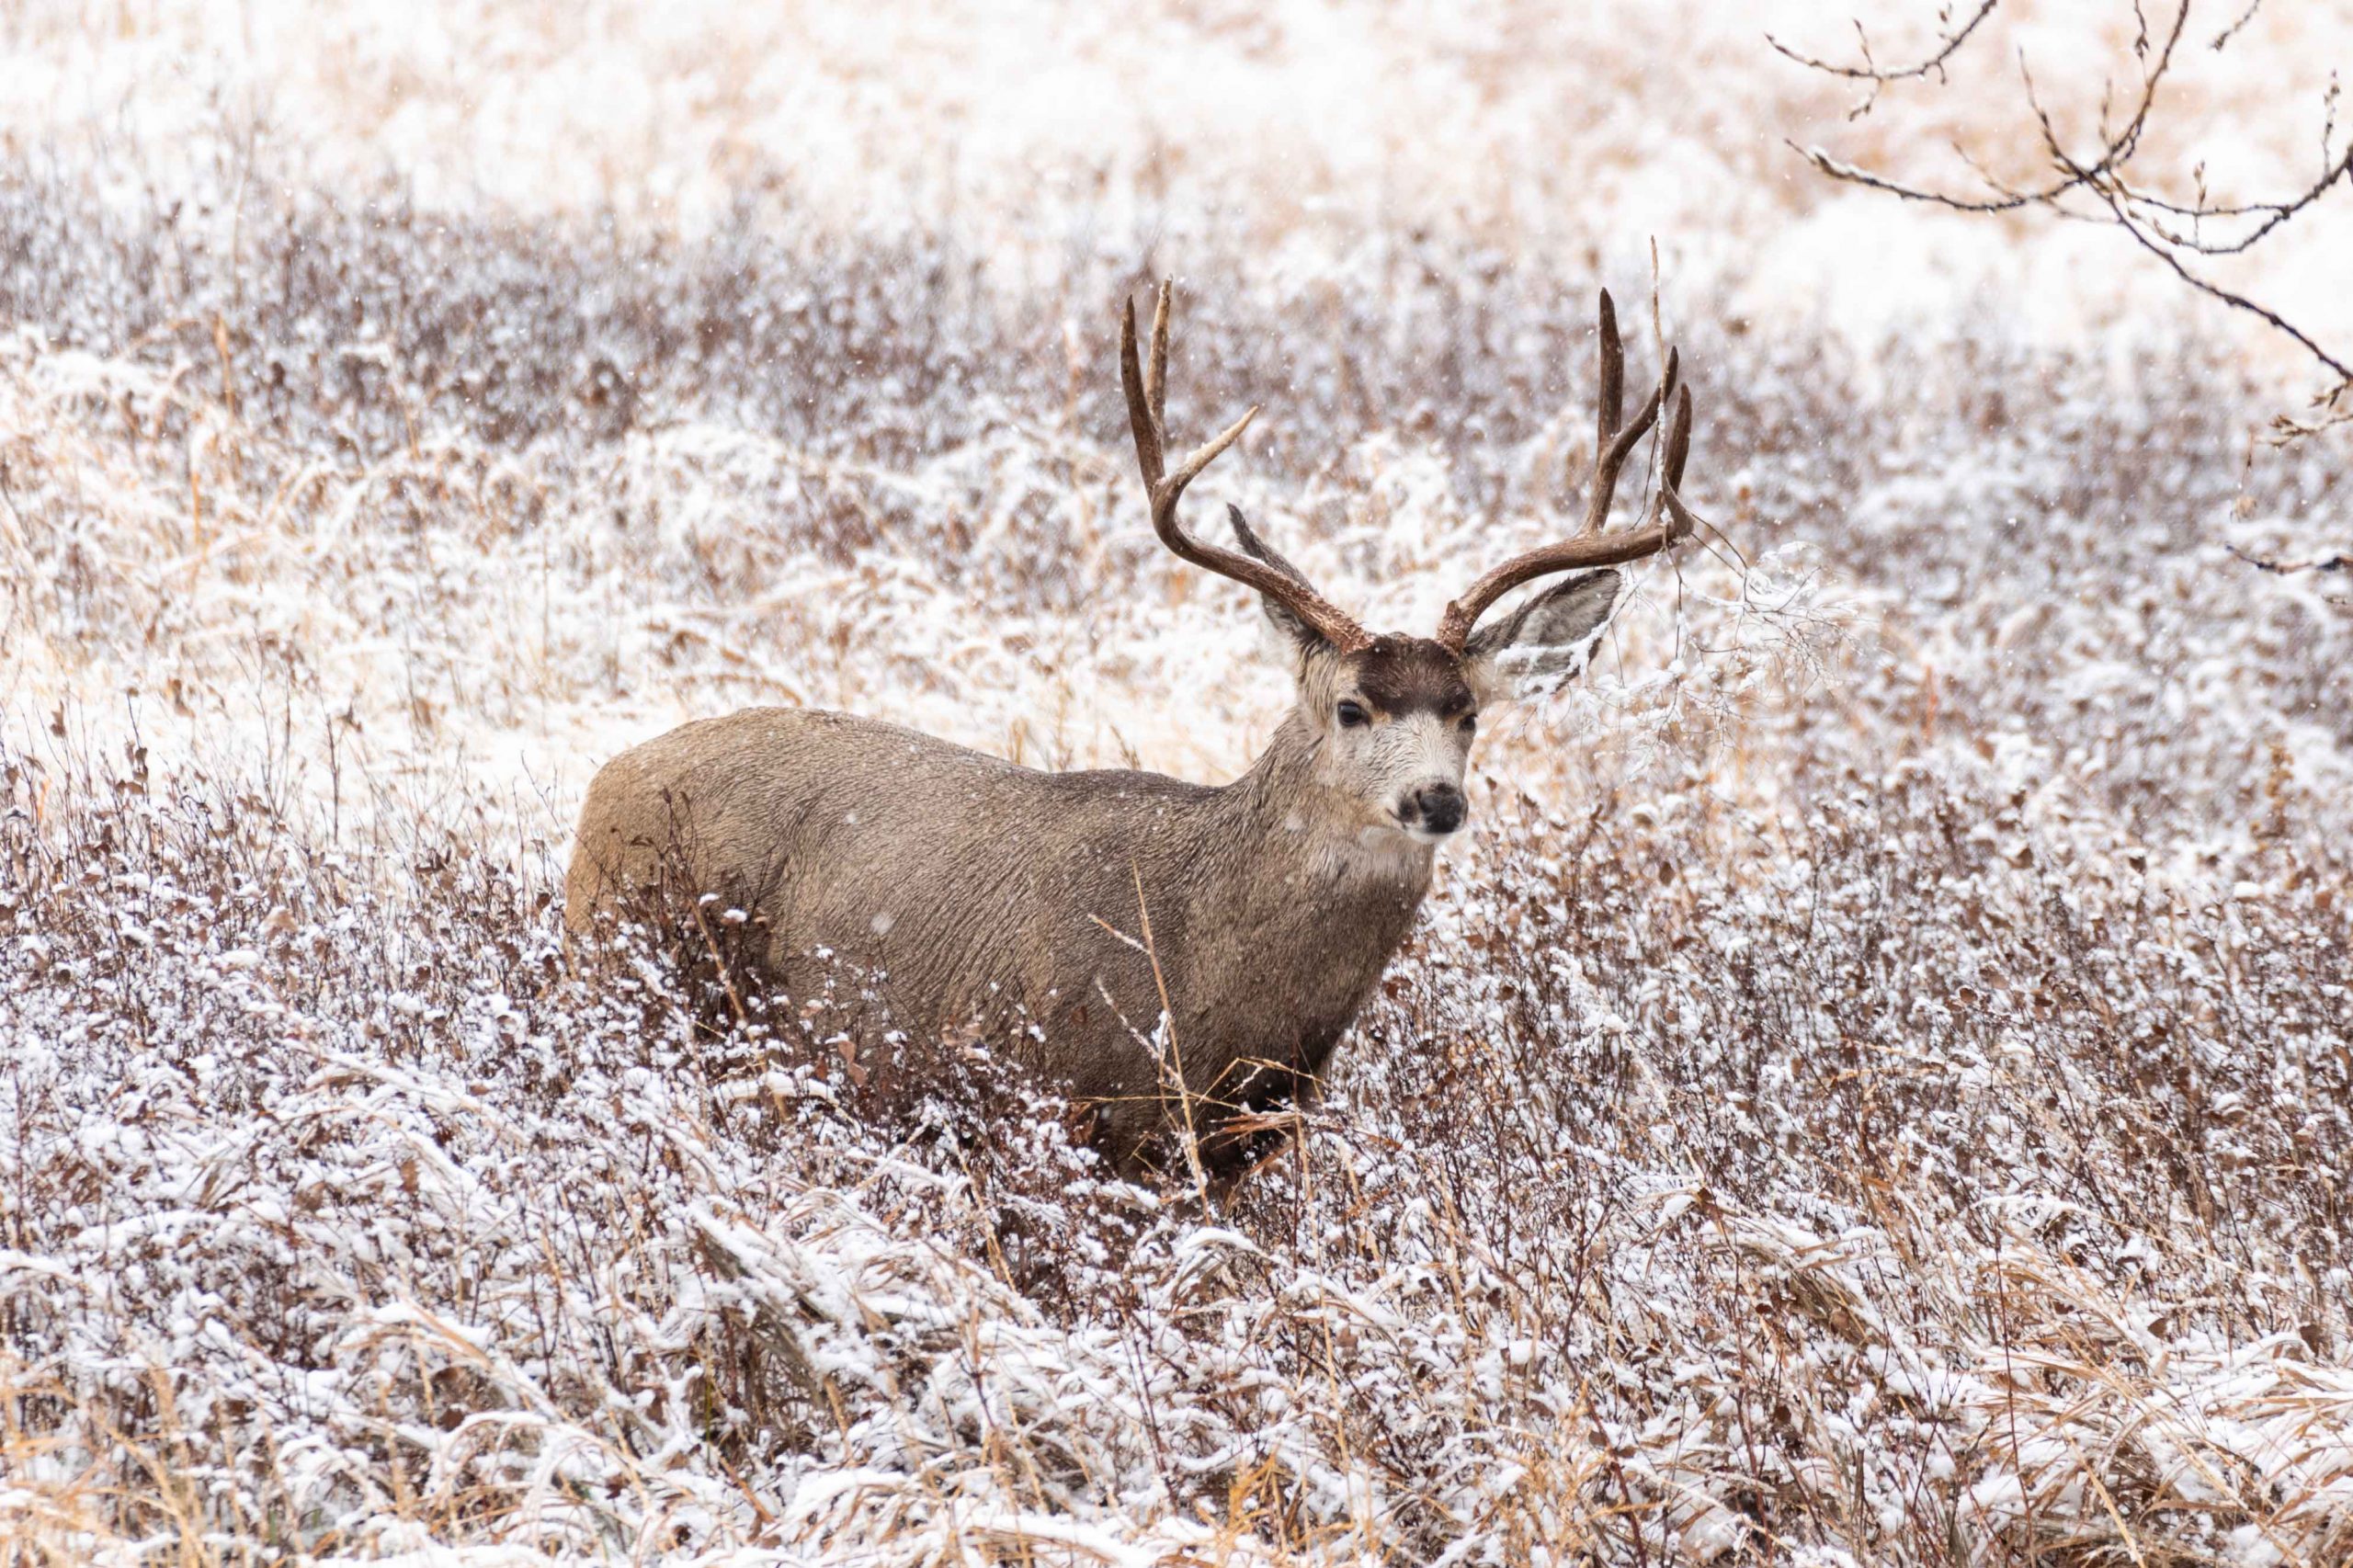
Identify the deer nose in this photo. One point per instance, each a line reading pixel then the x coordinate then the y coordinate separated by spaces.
pixel 1440 808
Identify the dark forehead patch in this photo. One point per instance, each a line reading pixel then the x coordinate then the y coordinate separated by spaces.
pixel 1412 674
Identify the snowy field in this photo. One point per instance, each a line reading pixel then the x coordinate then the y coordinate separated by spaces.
pixel 1873 1085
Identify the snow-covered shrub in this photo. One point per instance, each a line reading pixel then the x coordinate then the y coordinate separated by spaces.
pixel 1874 1080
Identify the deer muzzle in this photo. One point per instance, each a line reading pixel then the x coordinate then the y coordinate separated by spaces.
pixel 1435 809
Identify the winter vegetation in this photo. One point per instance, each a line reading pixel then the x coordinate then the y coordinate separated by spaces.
pixel 1873 1085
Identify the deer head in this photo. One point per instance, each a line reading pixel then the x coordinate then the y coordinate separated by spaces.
pixel 1393 716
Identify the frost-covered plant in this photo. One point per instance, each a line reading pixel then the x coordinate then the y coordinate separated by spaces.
pixel 1876 1096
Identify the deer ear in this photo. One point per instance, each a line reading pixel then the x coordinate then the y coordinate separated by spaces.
pixel 1547 640
pixel 1297 632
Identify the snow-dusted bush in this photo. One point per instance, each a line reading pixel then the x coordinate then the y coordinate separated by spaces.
pixel 1895 1186
pixel 1872 1086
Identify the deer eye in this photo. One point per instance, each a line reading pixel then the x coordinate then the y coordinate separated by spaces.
pixel 1353 717
pixel 1469 723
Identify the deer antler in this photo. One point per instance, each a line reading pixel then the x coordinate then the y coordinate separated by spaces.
pixel 1669 519
pixel 1147 389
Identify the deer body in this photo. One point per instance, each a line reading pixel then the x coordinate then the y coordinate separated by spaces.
pixel 972 887
pixel 1177 953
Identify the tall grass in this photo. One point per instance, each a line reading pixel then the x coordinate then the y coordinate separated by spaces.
pixel 1879 1094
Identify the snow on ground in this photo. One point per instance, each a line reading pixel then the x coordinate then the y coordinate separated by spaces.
pixel 1870 1088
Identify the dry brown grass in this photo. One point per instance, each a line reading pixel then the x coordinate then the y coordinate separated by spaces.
pixel 1879 1096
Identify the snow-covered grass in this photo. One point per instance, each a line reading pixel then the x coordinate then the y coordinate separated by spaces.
pixel 1874 1086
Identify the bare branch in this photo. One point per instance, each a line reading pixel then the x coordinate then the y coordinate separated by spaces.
pixel 2223 38
pixel 2341 561
pixel 2095 186
pixel 1949 45
pixel 2214 291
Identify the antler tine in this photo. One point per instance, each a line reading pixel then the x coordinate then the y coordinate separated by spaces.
pixel 1155 384
pixel 1138 390
pixel 1669 502
pixel 1590 546
pixel 1678 437
pixel 1145 385
pixel 1613 462
pixel 1612 405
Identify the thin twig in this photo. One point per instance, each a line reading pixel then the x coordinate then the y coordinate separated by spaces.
pixel 2167 229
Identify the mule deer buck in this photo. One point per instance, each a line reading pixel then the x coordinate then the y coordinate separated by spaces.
pixel 1184 954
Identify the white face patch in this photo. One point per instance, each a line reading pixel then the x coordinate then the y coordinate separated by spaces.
pixel 1386 762
pixel 1394 728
